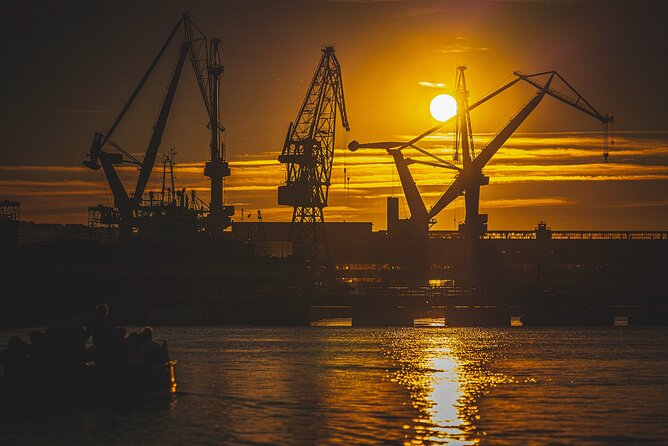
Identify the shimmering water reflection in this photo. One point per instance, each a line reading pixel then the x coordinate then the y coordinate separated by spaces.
pixel 444 385
pixel 333 385
pixel 446 392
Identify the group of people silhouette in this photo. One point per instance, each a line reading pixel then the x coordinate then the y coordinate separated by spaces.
pixel 63 348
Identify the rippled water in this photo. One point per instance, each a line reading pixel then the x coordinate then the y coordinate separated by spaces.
pixel 240 385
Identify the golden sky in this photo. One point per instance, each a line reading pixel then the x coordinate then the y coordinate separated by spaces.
pixel 558 177
pixel 77 62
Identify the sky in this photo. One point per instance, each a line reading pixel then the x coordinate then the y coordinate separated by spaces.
pixel 70 66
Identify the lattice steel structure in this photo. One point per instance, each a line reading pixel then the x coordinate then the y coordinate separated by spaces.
pixel 308 155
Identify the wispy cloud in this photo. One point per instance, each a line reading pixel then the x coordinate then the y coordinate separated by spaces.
pixel 418 11
pixel 526 202
pixel 59 193
pixel 541 160
pixel 458 48
pixel 432 85
pixel 50 184
pixel 640 204
pixel 29 168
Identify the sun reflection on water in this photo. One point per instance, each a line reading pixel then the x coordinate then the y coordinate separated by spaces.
pixel 445 393
pixel 445 375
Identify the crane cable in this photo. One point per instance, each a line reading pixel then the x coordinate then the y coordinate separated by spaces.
pixel 392 173
pixel 346 177
pixel 608 139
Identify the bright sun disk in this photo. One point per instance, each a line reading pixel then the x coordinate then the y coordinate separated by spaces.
pixel 443 107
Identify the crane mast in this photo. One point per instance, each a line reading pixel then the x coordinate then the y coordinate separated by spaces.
pixel 208 68
pixel 308 155
pixel 216 168
pixel 474 221
pixel 463 129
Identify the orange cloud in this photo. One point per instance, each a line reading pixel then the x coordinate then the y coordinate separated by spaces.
pixel 52 192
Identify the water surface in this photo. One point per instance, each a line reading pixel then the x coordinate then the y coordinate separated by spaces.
pixel 326 385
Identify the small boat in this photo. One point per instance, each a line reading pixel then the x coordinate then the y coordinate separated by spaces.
pixel 87 384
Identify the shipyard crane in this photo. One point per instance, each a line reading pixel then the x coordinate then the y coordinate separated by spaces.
pixel 204 57
pixel 470 177
pixel 308 154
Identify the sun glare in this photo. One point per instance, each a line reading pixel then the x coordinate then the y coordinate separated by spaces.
pixel 443 107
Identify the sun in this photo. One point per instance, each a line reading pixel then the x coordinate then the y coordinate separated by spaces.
pixel 443 107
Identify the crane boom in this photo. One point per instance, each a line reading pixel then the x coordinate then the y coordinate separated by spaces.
pixel 580 102
pixel 506 132
pixel 143 80
pixel 413 198
pixel 199 61
pixel 107 160
pixel 159 128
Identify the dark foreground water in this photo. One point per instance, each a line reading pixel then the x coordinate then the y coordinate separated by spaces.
pixel 291 386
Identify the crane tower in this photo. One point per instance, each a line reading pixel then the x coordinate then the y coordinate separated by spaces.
pixel 308 154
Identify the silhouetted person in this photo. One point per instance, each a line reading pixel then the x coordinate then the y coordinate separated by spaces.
pixel 147 335
pixel 104 336
pixel 14 359
pixel 153 352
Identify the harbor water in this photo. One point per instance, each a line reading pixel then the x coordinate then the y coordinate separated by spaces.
pixel 344 385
